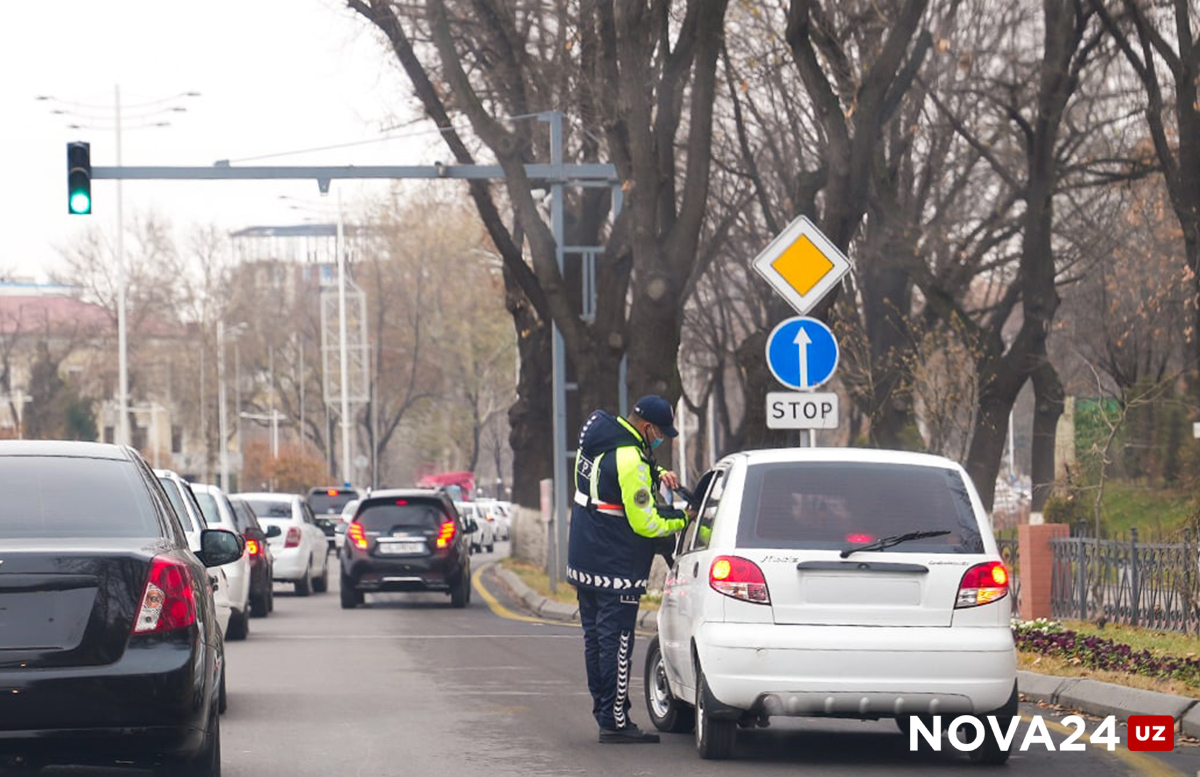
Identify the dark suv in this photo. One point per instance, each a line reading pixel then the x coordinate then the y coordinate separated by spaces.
pixel 406 540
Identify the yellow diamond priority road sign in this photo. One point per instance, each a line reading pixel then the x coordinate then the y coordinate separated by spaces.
pixel 802 265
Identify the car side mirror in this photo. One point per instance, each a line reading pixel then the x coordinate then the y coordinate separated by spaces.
pixel 218 547
pixel 472 527
pixel 274 531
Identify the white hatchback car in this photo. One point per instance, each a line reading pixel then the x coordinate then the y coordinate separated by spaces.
pixel 218 514
pixel 301 550
pixel 847 583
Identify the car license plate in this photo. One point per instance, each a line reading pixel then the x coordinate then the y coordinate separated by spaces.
pixel 401 548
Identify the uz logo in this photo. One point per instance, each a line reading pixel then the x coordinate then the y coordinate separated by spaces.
pixel 1151 732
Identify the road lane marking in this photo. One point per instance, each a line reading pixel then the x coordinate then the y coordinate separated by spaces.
pixel 1140 763
pixel 499 609
pixel 268 637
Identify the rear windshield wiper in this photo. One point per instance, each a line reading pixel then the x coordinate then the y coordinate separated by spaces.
pixel 888 542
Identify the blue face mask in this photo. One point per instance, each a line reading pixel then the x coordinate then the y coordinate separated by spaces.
pixel 656 443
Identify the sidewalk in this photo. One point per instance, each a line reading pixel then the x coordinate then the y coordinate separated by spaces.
pixel 1090 697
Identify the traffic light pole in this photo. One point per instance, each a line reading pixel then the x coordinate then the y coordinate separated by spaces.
pixel 554 177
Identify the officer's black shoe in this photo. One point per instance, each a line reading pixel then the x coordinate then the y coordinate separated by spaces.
pixel 626 735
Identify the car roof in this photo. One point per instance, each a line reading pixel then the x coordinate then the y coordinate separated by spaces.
pixel 847 455
pixel 88 450
pixel 206 487
pixel 278 497
pixel 393 493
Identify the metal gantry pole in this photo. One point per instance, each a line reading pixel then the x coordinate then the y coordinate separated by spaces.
pixel 559 357
pixel 221 419
pixel 123 436
pixel 345 355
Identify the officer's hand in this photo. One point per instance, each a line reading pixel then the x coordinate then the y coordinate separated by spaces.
pixel 670 480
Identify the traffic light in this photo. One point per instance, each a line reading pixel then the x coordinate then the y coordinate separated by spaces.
pixel 79 178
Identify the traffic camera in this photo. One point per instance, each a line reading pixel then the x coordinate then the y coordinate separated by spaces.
pixel 79 178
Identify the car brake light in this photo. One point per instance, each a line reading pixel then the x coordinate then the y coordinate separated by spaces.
pixel 293 537
pixel 446 534
pixel 331 492
pixel 169 599
pixel 355 532
pixel 860 539
pixel 739 578
pixel 401 501
pixel 982 584
pixel 252 547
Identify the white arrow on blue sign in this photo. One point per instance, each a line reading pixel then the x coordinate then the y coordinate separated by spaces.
pixel 802 353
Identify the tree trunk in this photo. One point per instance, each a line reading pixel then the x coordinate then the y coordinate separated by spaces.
pixel 997 393
pixel 1048 407
pixel 886 294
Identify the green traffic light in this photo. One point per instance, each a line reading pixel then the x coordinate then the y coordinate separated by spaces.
pixel 81 203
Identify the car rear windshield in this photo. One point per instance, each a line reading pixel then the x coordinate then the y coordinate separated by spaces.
pixel 271 508
pixel 59 496
pixel 208 507
pixel 384 516
pixel 321 502
pixel 832 505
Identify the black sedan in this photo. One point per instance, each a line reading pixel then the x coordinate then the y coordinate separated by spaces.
pixel 109 648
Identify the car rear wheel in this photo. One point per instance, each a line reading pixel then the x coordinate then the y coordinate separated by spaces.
pixel 304 584
pixel 350 597
pixel 714 737
pixel 222 698
pixel 666 712
pixel 239 626
pixel 460 592
pixel 491 547
pixel 990 751
pixel 321 584
pixel 260 604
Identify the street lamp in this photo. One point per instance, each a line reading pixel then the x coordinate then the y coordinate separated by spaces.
pixel 144 112
pixel 222 422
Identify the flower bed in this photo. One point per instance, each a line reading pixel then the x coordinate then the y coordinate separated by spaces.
pixel 1050 638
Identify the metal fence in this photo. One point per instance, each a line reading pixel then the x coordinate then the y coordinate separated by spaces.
pixel 1011 557
pixel 1150 584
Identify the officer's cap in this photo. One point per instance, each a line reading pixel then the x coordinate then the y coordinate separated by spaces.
pixel 657 411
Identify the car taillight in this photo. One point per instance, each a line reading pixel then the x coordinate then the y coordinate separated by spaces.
pixel 982 584
pixel 356 534
pixel 293 538
pixel 252 547
pixel 169 600
pixel 739 578
pixel 446 534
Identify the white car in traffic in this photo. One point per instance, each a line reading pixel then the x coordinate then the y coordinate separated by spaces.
pixel 191 518
pixel 833 582
pixel 301 551
pixel 484 536
pixel 218 514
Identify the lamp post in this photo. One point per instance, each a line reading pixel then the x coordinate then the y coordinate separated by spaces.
pixel 146 113
pixel 222 421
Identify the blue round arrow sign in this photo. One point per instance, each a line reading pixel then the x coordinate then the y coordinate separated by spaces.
pixel 802 353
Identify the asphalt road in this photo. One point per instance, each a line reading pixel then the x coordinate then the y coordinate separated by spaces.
pixel 409 686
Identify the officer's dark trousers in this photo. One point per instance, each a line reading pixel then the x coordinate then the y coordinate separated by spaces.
pixel 608 622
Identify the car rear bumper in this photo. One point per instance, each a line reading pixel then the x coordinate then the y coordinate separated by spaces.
pixel 428 573
pixel 289 565
pixel 857 671
pixel 155 700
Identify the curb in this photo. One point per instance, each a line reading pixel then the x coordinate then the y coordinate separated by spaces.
pixel 1101 699
pixel 549 609
pixel 1091 697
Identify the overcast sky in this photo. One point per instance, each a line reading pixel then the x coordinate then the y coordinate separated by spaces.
pixel 274 76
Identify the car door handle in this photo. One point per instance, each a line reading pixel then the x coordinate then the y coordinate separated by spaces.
pixel 696 569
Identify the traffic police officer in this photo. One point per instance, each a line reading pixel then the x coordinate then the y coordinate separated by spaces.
pixel 614 524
